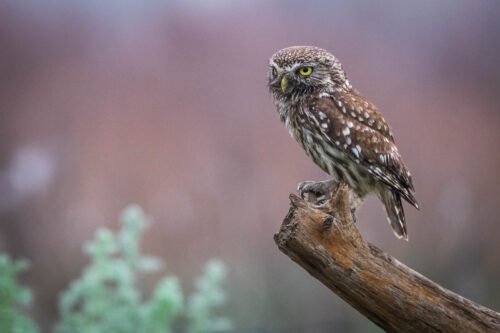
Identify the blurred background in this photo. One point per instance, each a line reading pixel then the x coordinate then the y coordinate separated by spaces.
pixel 164 104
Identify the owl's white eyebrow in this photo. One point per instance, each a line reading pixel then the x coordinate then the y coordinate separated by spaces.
pixel 273 64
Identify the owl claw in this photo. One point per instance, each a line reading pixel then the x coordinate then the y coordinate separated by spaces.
pixel 319 190
pixel 305 187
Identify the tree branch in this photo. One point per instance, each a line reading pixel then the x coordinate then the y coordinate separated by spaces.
pixel 325 242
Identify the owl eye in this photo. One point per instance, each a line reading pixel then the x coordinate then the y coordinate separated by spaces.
pixel 274 72
pixel 305 71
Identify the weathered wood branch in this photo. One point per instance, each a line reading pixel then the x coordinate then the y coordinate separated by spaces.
pixel 326 243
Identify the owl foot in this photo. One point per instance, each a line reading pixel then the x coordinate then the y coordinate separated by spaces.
pixel 316 192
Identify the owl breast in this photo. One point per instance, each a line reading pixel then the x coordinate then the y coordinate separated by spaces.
pixel 320 148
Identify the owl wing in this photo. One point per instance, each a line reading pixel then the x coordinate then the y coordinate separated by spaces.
pixel 356 106
pixel 374 149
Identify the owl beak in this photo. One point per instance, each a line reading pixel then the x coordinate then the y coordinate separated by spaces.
pixel 284 84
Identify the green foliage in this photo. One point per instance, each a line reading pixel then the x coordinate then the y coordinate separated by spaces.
pixel 208 296
pixel 105 299
pixel 13 297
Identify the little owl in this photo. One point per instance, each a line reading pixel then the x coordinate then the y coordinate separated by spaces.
pixel 340 130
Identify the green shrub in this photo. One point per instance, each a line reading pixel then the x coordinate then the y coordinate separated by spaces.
pixel 208 296
pixel 13 297
pixel 105 298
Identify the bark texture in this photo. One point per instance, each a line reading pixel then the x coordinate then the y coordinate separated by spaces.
pixel 325 242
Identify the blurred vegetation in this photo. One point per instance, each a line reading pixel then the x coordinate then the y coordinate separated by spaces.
pixel 105 297
pixel 207 297
pixel 13 298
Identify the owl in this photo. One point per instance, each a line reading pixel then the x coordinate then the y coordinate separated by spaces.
pixel 339 129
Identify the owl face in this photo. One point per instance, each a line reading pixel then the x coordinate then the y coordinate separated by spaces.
pixel 300 70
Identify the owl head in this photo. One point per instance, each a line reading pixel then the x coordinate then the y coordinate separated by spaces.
pixel 300 70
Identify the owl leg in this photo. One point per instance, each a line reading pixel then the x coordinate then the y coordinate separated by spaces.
pixel 317 192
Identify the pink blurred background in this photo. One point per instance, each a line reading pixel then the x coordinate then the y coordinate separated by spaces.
pixel 165 104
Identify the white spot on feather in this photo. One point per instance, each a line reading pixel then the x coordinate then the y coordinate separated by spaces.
pixel 346 131
pixel 355 151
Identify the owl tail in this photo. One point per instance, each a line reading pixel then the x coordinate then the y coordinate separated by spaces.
pixel 395 213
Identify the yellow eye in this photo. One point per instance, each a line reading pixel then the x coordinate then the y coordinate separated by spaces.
pixel 305 71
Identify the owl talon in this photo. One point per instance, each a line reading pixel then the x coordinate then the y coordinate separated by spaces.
pixel 305 187
pixel 320 202
pixel 320 190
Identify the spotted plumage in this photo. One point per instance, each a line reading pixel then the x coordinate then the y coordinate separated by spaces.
pixel 341 131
